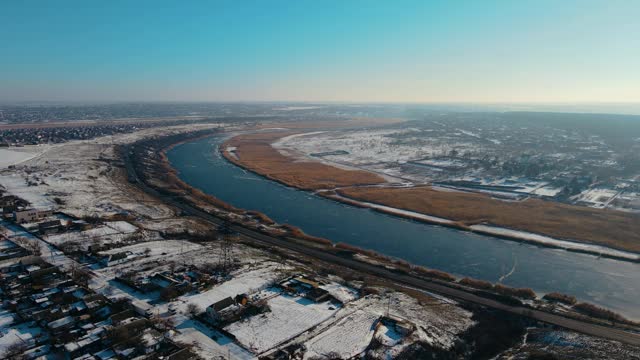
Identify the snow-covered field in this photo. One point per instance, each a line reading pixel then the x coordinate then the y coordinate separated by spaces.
pixel 16 155
pixel 349 330
pixel 369 148
pixel 348 338
pixel 289 316
pixel 80 174
pixel 152 256
pixel 113 231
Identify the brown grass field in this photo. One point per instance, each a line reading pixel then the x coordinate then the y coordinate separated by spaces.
pixel 604 227
pixel 254 152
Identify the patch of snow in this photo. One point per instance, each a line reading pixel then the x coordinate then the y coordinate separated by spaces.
pixel 563 244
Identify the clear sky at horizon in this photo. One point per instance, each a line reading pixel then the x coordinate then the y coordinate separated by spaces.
pixel 303 50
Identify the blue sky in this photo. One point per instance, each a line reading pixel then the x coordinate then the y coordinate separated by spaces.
pixel 303 50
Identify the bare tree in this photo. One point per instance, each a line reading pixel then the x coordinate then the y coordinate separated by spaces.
pixel 193 309
pixel 15 351
pixel 33 246
pixel 164 324
pixel 80 276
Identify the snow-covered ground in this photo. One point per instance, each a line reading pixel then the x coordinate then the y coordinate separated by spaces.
pixel 349 330
pixel 367 146
pixel 597 197
pixel 368 149
pixel 16 155
pixel 288 317
pixel 348 338
pixel 109 232
pixel 22 333
pixel 342 293
pixel 247 280
pixel 174 226
pixel 152 256
pixel 202 338
pixel 80 174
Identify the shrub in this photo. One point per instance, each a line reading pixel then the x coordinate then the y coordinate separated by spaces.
pixel 478 284
pixel 523 293
pixel 262 217
pixel 602 313
pixel 436 274
pixel 562 298
pixel 358 250
pixel 193 309
pixel 297 233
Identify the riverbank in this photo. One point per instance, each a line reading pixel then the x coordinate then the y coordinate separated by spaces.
pixel 543 223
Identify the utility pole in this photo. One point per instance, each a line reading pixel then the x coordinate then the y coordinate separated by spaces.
pixel 225 236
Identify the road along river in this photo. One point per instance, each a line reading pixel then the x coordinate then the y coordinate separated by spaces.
pixel 611 283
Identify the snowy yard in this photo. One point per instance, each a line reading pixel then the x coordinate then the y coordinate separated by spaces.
pixel 348 338
pixel 289 316
pixel 18 333
pixel 245 281
pixel 342 293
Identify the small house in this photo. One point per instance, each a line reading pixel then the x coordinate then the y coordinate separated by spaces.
pixel 61 324
pixel 30 215
pixel 214 309
pixel 117 258
pixel 50 227
pixel 317 295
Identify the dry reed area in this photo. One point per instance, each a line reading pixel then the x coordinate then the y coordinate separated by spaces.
pixel 604 227
pixel 254 152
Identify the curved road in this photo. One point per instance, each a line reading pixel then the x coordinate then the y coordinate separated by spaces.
pixel 571 324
